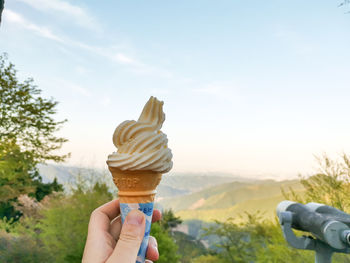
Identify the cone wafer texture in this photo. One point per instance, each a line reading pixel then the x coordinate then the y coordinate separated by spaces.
pixel 136 186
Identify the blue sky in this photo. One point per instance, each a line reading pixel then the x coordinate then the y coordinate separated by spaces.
pixel 250 87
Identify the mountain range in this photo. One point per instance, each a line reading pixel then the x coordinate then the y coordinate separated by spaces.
pixel 205 197
pixel 172 184
pixel 232 200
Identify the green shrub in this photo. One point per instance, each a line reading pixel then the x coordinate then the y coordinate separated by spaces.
pixel 64 223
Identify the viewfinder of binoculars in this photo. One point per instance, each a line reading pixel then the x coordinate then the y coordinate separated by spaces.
pixel 330 228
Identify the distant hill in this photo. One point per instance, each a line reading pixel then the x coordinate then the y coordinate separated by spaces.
pixel 193 196
pixel 231 200
pixel 191 183
pixel 171 185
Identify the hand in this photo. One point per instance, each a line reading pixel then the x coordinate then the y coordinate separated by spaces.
pixel 108 241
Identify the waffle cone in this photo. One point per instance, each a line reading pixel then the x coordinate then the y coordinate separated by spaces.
pixel 135 186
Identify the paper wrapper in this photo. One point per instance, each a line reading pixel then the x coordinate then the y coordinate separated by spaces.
pixel 137 190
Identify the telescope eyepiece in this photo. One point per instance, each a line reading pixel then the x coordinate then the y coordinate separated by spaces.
pixel 346 237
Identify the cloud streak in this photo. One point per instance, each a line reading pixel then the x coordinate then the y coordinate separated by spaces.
pixel 15 18
pixel 74 13
pixel 111 54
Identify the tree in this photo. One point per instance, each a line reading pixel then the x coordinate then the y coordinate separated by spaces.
pixel 190 247
pixel 330 185
pixel 169 220
pixel 233 245
pixel 27 137
pixel 162 232
pixel 2 3
pixel 239 242
pixel 23 248
pixel 64 222
pixel 166 245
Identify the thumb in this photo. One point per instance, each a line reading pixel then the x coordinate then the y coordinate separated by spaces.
pixel 130 239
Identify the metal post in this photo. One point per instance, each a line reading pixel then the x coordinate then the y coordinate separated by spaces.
pixel 323 257
pixel 324 252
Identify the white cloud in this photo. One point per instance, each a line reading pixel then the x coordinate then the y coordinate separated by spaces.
pixel 136 66
pixel 15 18
pixel 58 7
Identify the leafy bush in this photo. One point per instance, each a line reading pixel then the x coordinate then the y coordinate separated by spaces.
pixel 64 223
pixel 24 249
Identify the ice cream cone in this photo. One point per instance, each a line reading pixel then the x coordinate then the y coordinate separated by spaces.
pixel 137 190
pixel 135 186
pixel 137 167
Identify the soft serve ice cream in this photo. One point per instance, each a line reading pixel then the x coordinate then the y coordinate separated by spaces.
pixel 141 145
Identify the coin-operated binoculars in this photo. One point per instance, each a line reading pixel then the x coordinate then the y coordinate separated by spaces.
pixel 329 226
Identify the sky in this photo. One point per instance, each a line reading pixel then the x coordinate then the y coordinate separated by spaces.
pixel 252 88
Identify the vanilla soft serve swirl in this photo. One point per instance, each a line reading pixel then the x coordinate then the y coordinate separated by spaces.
pixel 141 145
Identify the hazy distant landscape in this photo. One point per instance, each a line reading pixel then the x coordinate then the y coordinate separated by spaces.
pixel 204 197
pixel 198 199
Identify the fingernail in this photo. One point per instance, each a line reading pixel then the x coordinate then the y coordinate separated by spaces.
pixel 134 217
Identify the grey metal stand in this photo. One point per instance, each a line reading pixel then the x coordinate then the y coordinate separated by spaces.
pixel 323 251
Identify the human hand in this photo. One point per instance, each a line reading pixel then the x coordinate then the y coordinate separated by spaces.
pixel 108 241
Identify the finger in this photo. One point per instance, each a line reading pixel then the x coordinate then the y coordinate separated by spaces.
pixel 102 216
pixel 115 227
pixel 157 215
pixel 152 250
pixel 116 224
pixel 130 238
pixel 111 209
pixel 98 235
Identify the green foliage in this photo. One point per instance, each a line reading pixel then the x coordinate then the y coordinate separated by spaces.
pixel 169 220
pixel 64 223
pixel 2 2
pixel 162 232
pixel 172 241
pixel 209 259
pixel 238 242
pixel 275 249
pixel 7 225
pixel 253 240
pixel 24 249
pixel 330 185
pixel 16 176
pixel 166 245
pixel 190 247
pixel 58 230
pixel 43 190
pixel 26 117
pixel 27 137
